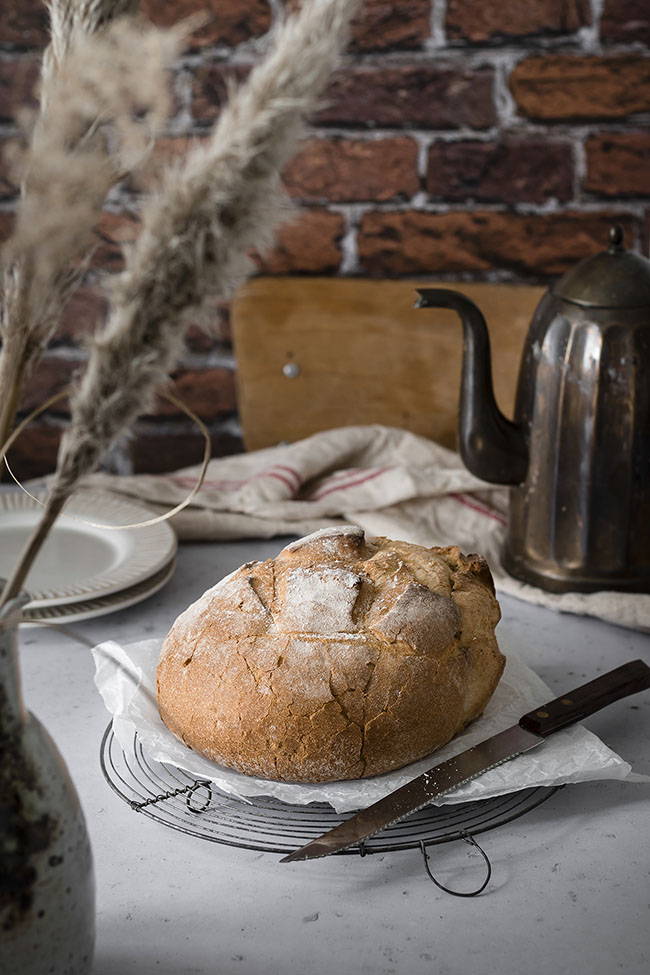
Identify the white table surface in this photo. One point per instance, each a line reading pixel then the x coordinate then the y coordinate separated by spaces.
pixel 570 890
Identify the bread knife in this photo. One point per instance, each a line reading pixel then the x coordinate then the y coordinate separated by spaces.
pixel 531 730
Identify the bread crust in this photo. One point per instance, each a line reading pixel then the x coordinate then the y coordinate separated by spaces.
pixel 341 658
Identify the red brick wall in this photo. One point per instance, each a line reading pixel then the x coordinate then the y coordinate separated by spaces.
pixel 462 139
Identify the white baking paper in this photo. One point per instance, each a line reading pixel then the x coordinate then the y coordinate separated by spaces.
pixel 125 677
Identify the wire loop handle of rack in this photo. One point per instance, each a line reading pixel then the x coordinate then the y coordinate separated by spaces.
pixel 186 790
pixel 468 838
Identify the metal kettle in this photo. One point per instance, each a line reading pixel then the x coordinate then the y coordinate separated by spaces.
pixel 577 453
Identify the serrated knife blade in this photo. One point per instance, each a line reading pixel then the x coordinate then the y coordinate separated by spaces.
pixel 529 732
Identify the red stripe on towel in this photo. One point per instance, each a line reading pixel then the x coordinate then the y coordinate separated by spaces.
pixel 470 502
pixel 349 484
pixel 290 470
pixel 280 477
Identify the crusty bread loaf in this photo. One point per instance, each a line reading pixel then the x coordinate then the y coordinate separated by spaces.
pixel 340 658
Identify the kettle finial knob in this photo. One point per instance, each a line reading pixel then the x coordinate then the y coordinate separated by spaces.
pixel 616 238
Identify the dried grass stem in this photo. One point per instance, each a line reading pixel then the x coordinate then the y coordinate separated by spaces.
pixel 32 547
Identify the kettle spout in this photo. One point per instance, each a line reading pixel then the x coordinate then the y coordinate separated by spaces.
pixel 492 446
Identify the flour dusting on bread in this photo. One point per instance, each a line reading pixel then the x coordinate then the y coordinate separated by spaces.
pixel 319 600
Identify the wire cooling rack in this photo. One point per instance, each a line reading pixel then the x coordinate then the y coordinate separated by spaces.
pixel 195 806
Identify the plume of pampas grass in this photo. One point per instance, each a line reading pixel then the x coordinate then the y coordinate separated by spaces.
pixel 70 19
pixel 70 22
pixel 105 102
pixel 197 231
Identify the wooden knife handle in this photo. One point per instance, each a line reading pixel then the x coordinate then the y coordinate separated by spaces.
pixel 587 699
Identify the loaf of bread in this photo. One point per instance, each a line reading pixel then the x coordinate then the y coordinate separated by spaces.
pixel 342 657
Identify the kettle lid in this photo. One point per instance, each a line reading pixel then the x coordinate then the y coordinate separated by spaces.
pixel 615 278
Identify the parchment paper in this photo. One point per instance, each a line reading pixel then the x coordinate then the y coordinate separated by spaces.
pixel 125 677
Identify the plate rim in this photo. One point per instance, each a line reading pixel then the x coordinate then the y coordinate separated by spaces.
pixel 156 544
pixel 102 605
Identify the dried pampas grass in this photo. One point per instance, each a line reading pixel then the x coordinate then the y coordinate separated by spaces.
pixel 103 113
pixel 70 22
pixel 105 103
pixel 72 18
pixel 197 231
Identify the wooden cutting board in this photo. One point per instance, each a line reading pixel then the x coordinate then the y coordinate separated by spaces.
pixel 318 353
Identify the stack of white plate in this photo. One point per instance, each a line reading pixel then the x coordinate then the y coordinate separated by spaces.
pixel 86 568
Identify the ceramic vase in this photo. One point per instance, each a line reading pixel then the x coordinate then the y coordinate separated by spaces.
pixel 47 887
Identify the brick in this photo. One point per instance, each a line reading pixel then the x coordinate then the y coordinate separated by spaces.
pixel 18 82
pixel 8 188
pixel 84 311
pixel 210 88
pixel 6 224
pixel 618 164
pixel 310 244
pixel 34 452
pixel 512 171
pixel 197 340
pixel 479 21
pixel 52 375
pixel 385 26
pixel 24 24
pixel 431 97
pixel 556 87
pixel 113 230
pixel 227 21
pixel 625 22
pixel 165 151
pixel 219 336
pixel 210 393
pixel 533 246
pixel 342 170
pixel 382 26
pixel 155 451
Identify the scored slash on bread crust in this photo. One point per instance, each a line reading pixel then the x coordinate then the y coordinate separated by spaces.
pixel 343 657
